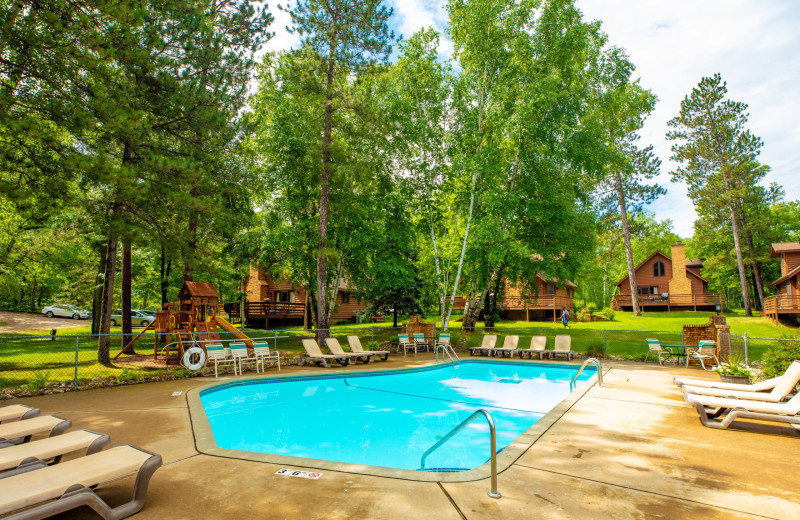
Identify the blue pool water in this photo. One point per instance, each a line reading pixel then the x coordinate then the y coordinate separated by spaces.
pixel 388 419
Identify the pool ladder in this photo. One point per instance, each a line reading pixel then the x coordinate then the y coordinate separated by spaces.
pixel 493 446
pixel 596 363
pixel 448 349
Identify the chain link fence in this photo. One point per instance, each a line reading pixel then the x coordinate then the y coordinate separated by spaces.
pixel 752 348
pixel 57 363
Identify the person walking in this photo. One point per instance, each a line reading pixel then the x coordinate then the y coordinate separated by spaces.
pixel 565 317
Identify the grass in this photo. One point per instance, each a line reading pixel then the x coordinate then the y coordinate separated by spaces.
pixel 30 358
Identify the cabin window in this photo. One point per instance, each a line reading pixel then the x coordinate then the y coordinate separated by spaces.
pixel 643 290
pixel 658 269
pixel 345 297
pixel 788 289
pixel 551 289
pixel 282 296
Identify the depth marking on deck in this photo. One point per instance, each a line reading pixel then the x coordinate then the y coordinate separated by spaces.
pixel 176 394
pixel 286 472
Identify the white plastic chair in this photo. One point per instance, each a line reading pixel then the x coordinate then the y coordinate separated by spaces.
pixel 220 355
pixel 262 355
pixel 706 351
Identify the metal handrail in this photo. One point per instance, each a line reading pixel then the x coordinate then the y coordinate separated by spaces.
pixel 451 352
pixel 493 441
pixel 599 371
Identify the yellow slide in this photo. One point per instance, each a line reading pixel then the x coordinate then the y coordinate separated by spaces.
pixel 227 327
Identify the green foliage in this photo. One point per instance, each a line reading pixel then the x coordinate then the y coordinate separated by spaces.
pixel 608 313
pixel 39 382
pixel 127 375
pixel 592 306
pixel 779 356
pixel 596 349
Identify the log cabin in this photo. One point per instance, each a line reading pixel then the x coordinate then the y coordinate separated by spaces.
pixel 271 300
pixel 546 303
pixel 786 301
pixel 666 283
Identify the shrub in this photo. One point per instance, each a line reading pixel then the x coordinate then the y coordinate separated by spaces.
pixel 591 306
pixel 39 382
pixel 596 349
pixel 129 375
pixel 779 356
pixel 609 313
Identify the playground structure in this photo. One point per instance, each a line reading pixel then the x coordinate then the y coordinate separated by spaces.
pixel 192 320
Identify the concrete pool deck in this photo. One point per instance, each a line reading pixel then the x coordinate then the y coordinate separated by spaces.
pixel 631 449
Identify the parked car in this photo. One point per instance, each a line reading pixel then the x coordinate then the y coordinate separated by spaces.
pixel 66 311
pixel 149 313
pixel 137 318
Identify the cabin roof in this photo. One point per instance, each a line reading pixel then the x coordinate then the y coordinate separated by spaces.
pixel 784 247
pixel 692 262
pixel 199 289
pixel 567 283
pixel 656 252
pixel 791 274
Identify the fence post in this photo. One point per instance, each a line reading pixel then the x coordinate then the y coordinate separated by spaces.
pixel 75 378
pixel 682 342
pixel 746 357
pixel 275 340
pixel 605 342
pixel 372 335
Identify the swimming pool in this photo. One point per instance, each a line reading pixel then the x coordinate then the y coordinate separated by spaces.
pixel 388 418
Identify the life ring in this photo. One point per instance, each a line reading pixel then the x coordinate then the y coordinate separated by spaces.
pixel 194 358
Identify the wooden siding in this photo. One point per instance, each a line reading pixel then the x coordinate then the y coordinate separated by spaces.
pixel 645 278
pixel 789 261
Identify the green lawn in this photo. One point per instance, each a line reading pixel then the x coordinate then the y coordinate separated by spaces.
pixel 22 360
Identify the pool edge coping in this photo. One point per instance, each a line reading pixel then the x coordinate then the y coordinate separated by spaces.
pixel 205 443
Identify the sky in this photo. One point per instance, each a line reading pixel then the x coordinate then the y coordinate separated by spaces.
pixel 754 45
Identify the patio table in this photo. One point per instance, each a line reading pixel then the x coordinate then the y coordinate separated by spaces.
pixel 677 346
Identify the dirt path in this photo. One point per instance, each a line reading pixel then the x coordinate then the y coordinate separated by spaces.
pixel 24 322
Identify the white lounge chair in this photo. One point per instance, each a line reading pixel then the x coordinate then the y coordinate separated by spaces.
pixel 538 346
pixel 706 351
pixel 406 344
pixel 563 346
pixel 488 343
pixel 18 432
pixel 219 355
pixel 34 455
pixel 510 344
pixel 355 346
pixel 761 386
pixel 66 486
pixel 654 347
pixel 17 412
pixel 337 350
pixel 315 355
pixel 784 387
pixel 263 354
pixel 720 412
pixel 241 355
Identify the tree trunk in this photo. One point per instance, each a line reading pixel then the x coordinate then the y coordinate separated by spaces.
pixel 637 311
pixel 166 270
pixel 336 280
pixel 394 324
pixel 324 200
pixel 748 309
pixel 107 302
pixel 188 266
pixel 759 282
pixel 127 324
pixel 439 285
pixel 305 309
pixel 33 294
pixel 97 293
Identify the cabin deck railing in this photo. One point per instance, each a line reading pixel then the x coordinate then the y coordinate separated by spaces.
pixel 782 302
pixel 672 300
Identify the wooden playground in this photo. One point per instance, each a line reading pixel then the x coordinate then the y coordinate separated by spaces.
pixel 190 321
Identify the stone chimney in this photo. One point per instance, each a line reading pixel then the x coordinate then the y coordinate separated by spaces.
pixel 680 283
